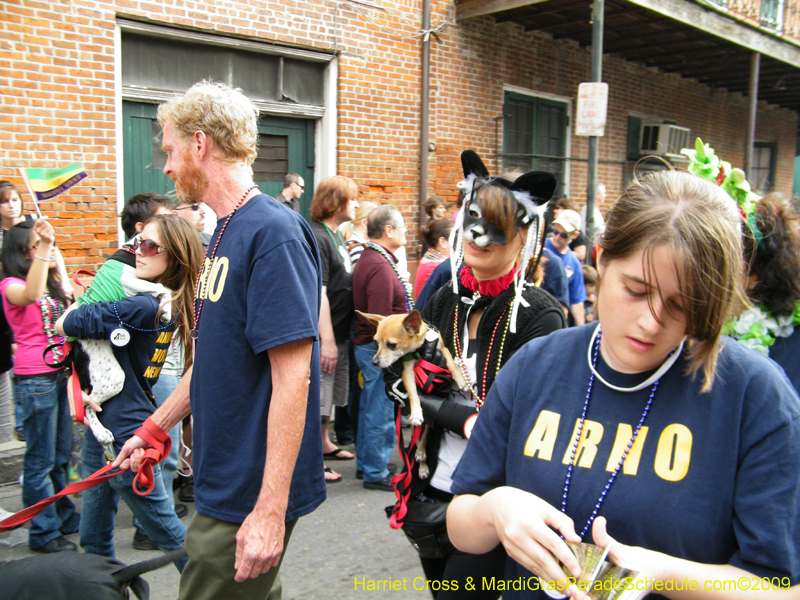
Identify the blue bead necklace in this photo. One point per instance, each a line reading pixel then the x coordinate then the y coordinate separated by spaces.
pixel 126 326
pixel 575 445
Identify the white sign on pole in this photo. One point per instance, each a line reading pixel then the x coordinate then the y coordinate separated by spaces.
pixel 592 109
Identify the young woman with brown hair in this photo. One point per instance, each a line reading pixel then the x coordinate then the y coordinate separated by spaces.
pixel 684 441
pixel 169 252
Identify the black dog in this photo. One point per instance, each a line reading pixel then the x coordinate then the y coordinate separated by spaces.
pixel 77 576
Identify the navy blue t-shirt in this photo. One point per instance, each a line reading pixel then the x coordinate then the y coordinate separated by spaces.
pixel 712 477
pixel 555 277
pixel 141 358
pixel 263 292
pixel 786 352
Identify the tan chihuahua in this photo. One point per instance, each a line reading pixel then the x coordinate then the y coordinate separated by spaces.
pixel 397 336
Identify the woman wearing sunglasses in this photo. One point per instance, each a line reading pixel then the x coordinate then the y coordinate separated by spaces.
pixel 33 299
pixel 168 252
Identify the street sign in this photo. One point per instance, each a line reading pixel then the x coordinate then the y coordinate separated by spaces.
pixel 592 109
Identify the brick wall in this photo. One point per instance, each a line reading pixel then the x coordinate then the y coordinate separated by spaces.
pixel 57 73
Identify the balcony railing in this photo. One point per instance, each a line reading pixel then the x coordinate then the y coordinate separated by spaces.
pixel 779 16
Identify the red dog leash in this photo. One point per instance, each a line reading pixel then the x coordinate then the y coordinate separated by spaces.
pixel 143 482
pixel 27 514
pixel 402 481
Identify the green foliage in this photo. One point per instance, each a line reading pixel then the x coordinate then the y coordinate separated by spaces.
pixel 704 163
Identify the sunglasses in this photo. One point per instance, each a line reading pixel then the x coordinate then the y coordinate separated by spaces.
pixel 147 247
pixel 194 207
pixel 561 234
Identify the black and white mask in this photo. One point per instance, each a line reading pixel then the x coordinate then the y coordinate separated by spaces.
pixel 479 231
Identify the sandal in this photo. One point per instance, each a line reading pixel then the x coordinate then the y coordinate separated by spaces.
pixel 335 477
pixel 338 454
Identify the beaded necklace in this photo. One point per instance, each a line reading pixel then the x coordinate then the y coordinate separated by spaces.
pixel 432 254
pixel 194 333
pixel 339 243
pixel 575 445
pixel 491 288
pixel 52 309
pixel 131 327
pixel 459 357
pixel 382 251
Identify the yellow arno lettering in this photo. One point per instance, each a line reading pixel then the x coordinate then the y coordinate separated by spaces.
pixel 164 338
pixel 674 452
pixel 216 282
pixel 587 447
pixel 543 435
pixel 159 356
pixel 624 435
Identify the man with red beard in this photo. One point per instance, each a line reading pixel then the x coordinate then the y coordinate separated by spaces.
pixel 253 389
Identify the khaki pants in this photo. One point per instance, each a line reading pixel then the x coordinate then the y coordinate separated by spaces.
pixel 211 545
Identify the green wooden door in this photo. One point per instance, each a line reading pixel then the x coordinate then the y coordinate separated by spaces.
pixel 284 146
pixel 143 160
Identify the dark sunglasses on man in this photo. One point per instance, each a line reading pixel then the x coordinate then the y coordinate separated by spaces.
pixel 147 247
pixel 194 207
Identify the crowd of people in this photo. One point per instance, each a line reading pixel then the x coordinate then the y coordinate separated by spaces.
pixel 601 401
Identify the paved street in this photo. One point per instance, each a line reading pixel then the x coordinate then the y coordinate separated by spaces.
pixel 348 537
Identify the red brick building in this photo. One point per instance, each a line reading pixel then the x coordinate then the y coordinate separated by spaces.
pixel 339 86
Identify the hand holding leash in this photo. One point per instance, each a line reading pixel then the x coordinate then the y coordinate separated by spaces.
pixel 72 390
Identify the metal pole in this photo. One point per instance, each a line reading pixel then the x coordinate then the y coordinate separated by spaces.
pixel 755 64
pixel 597 77
pixel 424 109
pixel 496 142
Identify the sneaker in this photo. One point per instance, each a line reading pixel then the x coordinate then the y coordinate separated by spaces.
pixel 392 468
pixel 187 490
pixel 142 542
pixel 59 544
pixel 384 484
pixel 20 435
pixel 181 510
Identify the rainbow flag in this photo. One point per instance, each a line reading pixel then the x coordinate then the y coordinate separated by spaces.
pixel 49 183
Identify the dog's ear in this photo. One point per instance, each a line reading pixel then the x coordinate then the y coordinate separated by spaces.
pixel 375 319
pixel 413 322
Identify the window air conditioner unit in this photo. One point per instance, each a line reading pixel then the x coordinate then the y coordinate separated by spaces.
pixel 663 140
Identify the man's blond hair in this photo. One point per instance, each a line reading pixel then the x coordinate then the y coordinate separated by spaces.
pixel 223 113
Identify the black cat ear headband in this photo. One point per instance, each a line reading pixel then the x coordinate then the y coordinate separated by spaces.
pixel 532 191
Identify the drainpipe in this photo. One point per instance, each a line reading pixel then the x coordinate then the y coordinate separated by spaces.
pixel 755 64
pixel 424 109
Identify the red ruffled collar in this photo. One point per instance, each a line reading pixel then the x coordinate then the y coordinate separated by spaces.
pixel 491 288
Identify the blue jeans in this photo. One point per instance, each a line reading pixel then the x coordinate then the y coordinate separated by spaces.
pixel 165 385
pixel 19 413
pixel 100 503
pixel 375 435
pixel 48 437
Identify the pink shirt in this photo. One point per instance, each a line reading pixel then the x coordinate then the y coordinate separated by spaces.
pixel 28 326
pixel 423 272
